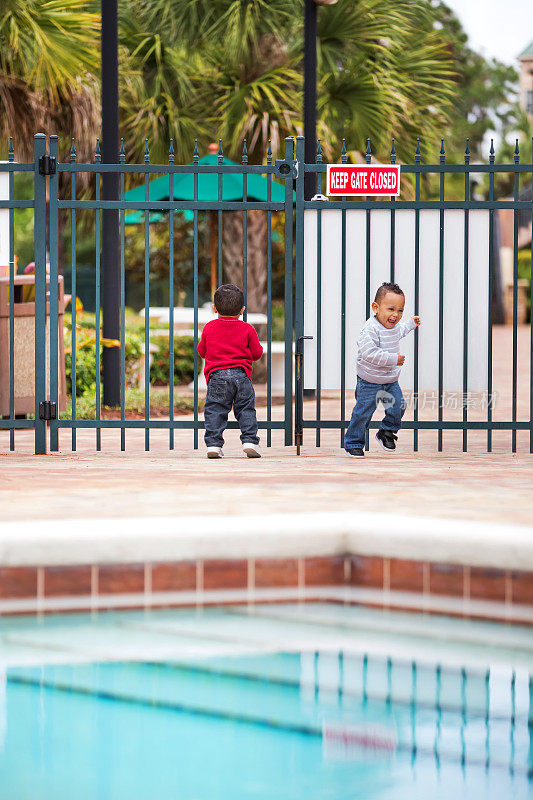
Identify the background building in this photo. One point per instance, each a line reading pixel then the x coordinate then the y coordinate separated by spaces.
pixel 526 79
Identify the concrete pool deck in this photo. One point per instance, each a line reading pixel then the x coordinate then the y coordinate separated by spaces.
pixel 448 523
pixel 87 485
pixel 495 487
pixel 434 532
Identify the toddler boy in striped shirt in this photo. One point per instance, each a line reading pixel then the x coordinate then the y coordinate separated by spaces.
pixel 378 367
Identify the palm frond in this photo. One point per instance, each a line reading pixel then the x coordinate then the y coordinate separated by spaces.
pixel 47 44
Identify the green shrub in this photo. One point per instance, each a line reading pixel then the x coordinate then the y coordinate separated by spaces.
pixel 133 403
pixel 524 264
pixel 134 341
pixel 183 360
pixel 524 272
pixel 86 360
pixel 85 370
pixel 278 321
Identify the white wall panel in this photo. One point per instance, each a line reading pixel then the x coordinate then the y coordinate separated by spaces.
pixel 428 337
pixel 404 249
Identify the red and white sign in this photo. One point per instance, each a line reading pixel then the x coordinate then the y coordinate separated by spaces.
pixel 372 180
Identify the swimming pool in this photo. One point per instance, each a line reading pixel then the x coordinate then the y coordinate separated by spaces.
pixel 317 702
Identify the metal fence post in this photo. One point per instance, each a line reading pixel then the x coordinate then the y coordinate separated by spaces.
pixel 11 195
pixel 299 392
pixel 299 290
pixel 299 278
pixel 289 158
pixel 39 238
pixel 54 296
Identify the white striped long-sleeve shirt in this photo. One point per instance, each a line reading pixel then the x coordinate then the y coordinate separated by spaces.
pixel 378 348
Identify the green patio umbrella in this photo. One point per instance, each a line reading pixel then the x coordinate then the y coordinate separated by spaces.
pixel 208 186
pixel 232 191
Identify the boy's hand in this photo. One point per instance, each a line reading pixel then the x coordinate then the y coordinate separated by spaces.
pixel 401 360
pixel 417 321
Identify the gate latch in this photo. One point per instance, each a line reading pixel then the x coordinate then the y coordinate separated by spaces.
pixel 47 410
pixel 286 169
pixel 47 165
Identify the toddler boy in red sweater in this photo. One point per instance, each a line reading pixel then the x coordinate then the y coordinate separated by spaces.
pixel 229 347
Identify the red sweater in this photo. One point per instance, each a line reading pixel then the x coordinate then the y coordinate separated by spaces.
pixel 228 342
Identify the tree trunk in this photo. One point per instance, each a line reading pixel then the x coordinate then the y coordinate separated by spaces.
pixel 256 255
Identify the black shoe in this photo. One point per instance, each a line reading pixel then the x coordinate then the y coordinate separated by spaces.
pixel 387 439
pixel 354 451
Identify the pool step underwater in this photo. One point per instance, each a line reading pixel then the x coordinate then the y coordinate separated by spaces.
pixel 442 730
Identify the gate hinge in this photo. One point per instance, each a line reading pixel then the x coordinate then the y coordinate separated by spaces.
pixel 47 165
pixel 47 410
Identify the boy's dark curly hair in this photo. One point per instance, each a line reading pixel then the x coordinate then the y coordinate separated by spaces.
pixel 386 287
pixel 228 300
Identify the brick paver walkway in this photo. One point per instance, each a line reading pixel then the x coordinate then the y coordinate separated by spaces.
pixel 451 484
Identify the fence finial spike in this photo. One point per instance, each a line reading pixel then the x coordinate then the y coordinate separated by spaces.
pixel 11 155
pixel 516 153
pixel 97 154
pixel 269 152
pixel 442 151
pixel 73 150
pixel 417 151
pixel 393 151
pixel 244 152
pixel 318 151
pixel 195 154
pixel 368 150
pixel 171 151
pixel 467 151
pixel 146 152
pixel 491 152
pixel 344 156
pixel 122 153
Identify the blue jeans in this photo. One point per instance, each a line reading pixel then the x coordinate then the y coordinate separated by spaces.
pixel 227 389
pixel 367 396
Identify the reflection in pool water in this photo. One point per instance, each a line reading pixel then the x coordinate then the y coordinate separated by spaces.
pixel 328 724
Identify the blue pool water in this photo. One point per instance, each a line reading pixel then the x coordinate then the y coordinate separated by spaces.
pixel 258 726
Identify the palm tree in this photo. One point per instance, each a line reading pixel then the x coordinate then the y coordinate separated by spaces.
pixel 162 86
pixel 48 64
pixel 383 71
pixel 231 69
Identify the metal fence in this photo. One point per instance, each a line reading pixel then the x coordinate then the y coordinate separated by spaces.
pixel 322 413
pixel 366 286
pixel 48 167
pixel 172 206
